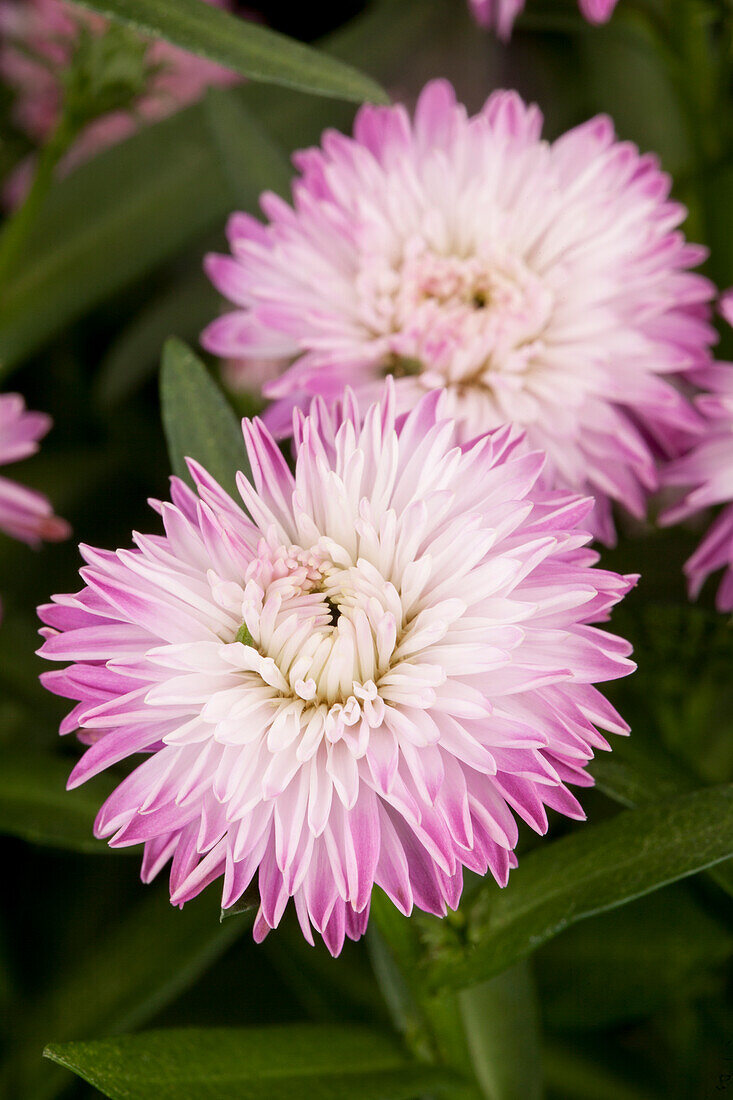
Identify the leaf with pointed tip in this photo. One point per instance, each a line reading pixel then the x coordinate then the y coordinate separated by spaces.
pixel 281 1063
pixel 197 420
pixel 244 47
pixel 637 774
pixel 248 903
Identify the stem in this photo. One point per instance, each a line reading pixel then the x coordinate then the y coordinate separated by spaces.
pixel 16 230
pixel 501 1023
pixel 430 1025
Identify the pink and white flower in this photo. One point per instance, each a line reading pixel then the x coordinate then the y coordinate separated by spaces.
pixel 24 513
pixel 363 683
pixel 36 43
pixel 545 284
pixel 706 472
pixel 499 15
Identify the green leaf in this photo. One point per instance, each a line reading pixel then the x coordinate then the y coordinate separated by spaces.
pixel 242 46
pixel 197 420
pixel 501 1020
pixel 142 962
pixel 394 959
pixel 638 773
pixel 596 868
pixel 35 805
pixel 251 160
pixel 280 1063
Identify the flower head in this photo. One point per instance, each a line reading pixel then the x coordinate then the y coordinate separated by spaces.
pixel 356 685
pixel 24 513
pixel 499 15
pixel 39 38
pixel 706 472
pixel 541 284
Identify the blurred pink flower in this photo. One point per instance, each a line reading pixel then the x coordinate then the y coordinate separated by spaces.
pixel 499 15
pixel 597 11
pixel 48 29
pixel 251 375
pixel 707 473
pixel 541 283
pixel 24 513
pixel 360 684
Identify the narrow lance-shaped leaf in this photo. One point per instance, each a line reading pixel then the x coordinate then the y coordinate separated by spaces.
pixel 197 420
pixel 637 774
pixel 280 1063
pixel 597 868
pixel 242 46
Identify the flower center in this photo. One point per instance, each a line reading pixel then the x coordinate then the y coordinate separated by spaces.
pixel 322 631
pixel 334 609
pixel 471 321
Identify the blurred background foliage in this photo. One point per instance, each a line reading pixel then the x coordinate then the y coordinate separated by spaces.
pixel 632 1004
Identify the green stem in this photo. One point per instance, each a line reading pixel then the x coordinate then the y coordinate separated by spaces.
pixel 431 1025
pixel 16 230
pixel 501 1023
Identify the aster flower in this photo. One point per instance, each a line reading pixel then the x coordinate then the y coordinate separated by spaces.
pixel 24 513
pixel 361 684
pixel 542 284
pixel 706 471
pixel 37 42
pixel 499 15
